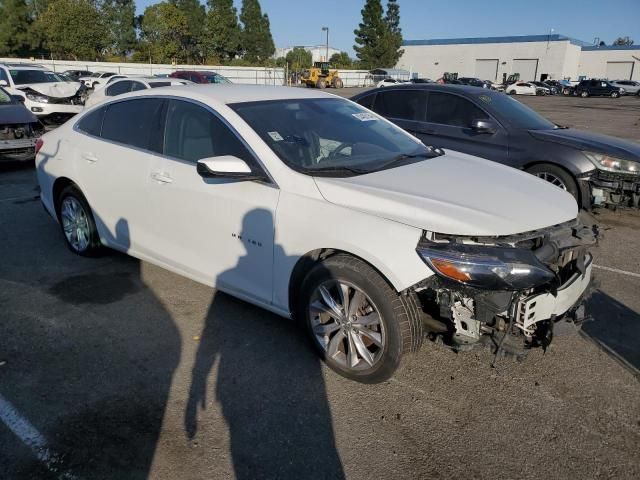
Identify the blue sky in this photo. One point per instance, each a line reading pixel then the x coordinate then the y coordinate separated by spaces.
pixel 298 22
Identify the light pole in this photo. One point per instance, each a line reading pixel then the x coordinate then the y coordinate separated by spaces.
pixel 326 29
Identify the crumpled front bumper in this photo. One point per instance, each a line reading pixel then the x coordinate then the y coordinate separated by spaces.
pixel 619 189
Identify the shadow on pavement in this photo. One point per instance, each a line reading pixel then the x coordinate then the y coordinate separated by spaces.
pixel 615 328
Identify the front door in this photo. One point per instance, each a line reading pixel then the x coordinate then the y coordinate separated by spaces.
pixel 219 231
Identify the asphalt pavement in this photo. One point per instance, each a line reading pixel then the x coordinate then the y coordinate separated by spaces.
pixel 112 368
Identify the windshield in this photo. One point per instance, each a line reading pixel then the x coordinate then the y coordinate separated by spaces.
pixel 22 77
pixel 215 78
pixel 327 136
pixel 516 113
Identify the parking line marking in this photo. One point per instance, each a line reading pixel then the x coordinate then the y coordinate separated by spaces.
pixel 31 437
pixel 617 270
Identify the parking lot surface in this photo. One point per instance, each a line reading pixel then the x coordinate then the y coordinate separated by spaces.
pixel 113 368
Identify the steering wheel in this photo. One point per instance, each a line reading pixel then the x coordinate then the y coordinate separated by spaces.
pixel 338 149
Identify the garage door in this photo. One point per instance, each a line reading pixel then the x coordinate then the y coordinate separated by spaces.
pixel 526 67
pixel 487 69
pixel 619 70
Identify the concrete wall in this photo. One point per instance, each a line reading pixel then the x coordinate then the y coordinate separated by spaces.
pixel 593 63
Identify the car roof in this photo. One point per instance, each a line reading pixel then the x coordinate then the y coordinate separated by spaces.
pixel 143 78
pixel 455 88
pixel 233 93
pixel 27 67
pixel 201 72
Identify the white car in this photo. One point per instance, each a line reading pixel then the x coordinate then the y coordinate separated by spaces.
pixel 126 85
pixel 521 88
pixel 315 208
pixel 96 79
pixel 387 82
pixel 630 87
pixel 52 98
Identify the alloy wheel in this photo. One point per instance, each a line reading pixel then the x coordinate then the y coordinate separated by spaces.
pixel 75 224
pixel 347 325
pixel 551 178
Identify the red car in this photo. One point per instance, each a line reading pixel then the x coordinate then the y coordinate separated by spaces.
pixel 200 76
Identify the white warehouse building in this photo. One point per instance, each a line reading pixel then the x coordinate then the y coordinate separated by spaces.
pixel 534 57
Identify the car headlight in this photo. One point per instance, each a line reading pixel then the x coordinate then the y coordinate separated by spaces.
pixel 622 90
pixel 486 267
pixel 613 164
pixel 34 97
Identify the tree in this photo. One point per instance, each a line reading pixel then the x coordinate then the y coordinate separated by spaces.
pixel 73 29
pixel 257 42
pixel 15 28
pixel 164 30
pixel 119 19
pixel 298 59
pixel 195 15
pixel 623 41
pixel 371 35
pixel 341 60
pixel 221 37
pixel 393 39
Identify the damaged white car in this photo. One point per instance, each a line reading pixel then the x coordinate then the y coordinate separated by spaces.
pixel 315 208
pixel 52 98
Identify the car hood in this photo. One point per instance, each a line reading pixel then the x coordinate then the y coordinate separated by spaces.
pixel 55 89
pixel 13 113
pixel 593 142
pixel 456 194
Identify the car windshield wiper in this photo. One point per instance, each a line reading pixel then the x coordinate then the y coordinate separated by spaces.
pixel 335 169
pixel 398 159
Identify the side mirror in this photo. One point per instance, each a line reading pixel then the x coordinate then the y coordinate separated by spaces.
pixel 3 83
pixel 226 166
pixel 484 126
pixel 18 98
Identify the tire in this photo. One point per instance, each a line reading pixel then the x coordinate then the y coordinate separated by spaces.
pixel 584 94
pixel 72 207
pixel 512 92
pixel 397 329
pixel 338 83
pixel 549 172
pixel 615 94
pixel 321 83
pixel 566 92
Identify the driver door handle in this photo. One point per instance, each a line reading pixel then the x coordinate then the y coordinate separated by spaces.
pixel 161 177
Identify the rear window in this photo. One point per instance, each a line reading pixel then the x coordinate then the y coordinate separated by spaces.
pixel 136 122
pixel 92 122
pixel 159 84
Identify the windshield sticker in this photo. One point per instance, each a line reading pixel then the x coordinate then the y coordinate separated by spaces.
pixel 485 98
pixel 365 117
pixel 275 136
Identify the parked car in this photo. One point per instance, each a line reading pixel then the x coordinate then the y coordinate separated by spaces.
pixel 200 76
pixel 543 89
pixel 630 87
pixel 385 82
pixel 598 88
pixel 245 180
pixel 595 169
pixel 474 82
pixel 19 128
pixel 126 85
pixel 75 75
pixel 421 80
pixel 522 88
pixel 52 98
pixel 96 79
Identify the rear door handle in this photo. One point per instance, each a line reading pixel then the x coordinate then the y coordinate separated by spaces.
pixel 89 157
pixel 161 177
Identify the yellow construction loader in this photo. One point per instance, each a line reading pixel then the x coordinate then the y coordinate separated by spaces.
pixel 321 76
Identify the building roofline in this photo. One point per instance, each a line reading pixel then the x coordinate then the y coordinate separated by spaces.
pixel 592 48
pixel 508 39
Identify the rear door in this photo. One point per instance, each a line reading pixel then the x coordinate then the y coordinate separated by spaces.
pixel 406 108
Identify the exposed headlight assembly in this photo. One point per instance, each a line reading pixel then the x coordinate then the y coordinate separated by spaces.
pixel 486 267
pixel 613 164
pixel 34 97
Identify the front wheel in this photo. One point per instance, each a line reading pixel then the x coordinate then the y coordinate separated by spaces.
pixel 77 223
pixel 556 176
pixel 512 92
pixel 360 326
pixel 584 94
pixel 615 94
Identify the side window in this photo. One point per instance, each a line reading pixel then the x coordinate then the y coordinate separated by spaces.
pixel 118 88
pixel 367 102
pixel 136 122
pixel 404 104
pixel 194 78
pixel 92 123
pixel 4 76
pixel 452 110
pixel 193 133
pixel 135 86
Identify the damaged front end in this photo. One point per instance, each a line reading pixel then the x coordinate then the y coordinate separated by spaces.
pixel 615 182
pixel 17 141
pixel 509 292
pixel 55 103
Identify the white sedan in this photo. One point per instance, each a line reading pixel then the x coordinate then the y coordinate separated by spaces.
pixel 96 79
pixel 387 82
pixel 126 85
pixel 315 208
pixel 521 88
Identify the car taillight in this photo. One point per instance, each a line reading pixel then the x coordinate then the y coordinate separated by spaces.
pixel 39 144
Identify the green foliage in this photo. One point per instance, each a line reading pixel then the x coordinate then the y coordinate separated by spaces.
pixel 119 19
pixel 257 42
pixel 623 41
pixel 299 59
pixel 195 14
pixel 15 28
pixel 64 27
pixel 378 39
pixel 221 37
pixel 341 60
pixel 164 31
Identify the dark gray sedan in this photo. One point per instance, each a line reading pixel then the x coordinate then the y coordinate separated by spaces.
pixel 595 169
pixel 19 128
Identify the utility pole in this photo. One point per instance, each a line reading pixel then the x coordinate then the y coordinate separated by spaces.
pixel 326 29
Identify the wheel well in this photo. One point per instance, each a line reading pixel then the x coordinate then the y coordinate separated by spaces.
pixel 58 186
pixel 561 167
pixel 306 263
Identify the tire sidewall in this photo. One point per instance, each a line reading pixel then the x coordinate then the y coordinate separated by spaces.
pixel 94 239
pixel 566 177
pixel 392 352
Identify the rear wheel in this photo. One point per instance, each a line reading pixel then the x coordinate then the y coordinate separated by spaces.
pixel 615 94
pixel 584 94
pixel 359 325
pixel 556 176
pixel 337 83
pixel 512 92
pixel 77 223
